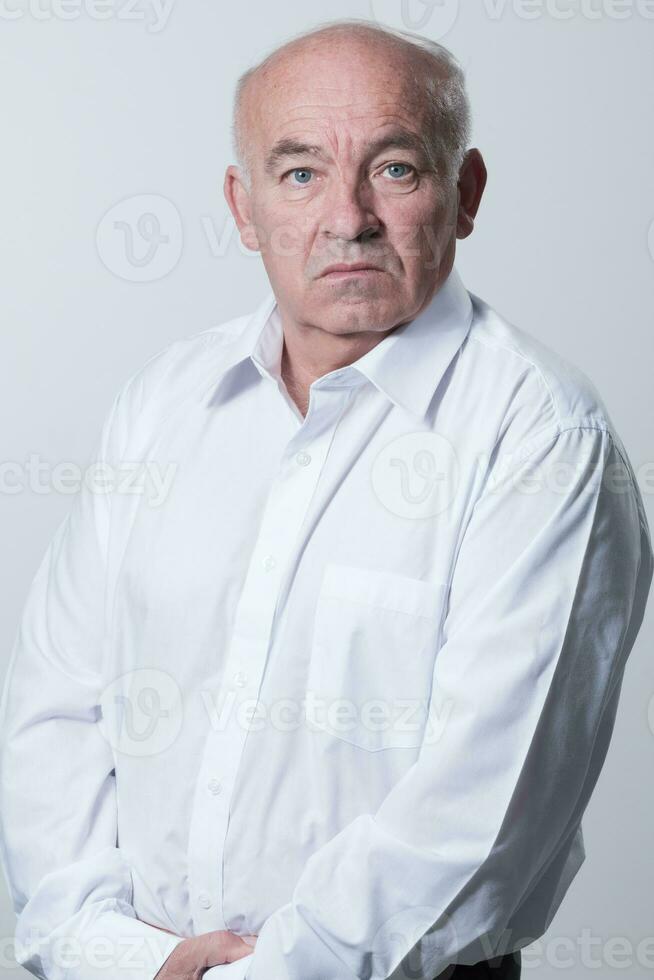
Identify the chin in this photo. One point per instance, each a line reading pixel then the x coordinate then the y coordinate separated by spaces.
pixel 352 294
pixel 347 315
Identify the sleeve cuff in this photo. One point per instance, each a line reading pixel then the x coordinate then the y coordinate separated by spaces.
pixel 230 971
pixel 120 946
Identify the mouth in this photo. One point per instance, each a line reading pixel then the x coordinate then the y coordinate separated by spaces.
pixel 343 271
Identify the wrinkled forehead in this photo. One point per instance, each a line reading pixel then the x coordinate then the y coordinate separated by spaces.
pixel 338 91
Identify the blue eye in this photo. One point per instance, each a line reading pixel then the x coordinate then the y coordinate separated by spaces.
pixel 302 175
pixel 402 167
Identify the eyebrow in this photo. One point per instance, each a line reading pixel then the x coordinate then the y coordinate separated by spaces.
pixel 287 146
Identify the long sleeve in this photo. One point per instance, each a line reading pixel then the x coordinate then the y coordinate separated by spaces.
pixel 70 885
pixel 237 970
pixel 546 598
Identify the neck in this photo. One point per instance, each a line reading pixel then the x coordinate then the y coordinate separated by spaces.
pixel 310 352
pixel 297 388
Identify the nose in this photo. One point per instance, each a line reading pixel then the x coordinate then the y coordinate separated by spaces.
pixel 348 215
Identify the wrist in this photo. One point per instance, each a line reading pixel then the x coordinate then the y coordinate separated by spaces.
pixel 186 959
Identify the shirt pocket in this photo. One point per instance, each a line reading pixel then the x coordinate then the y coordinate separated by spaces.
pixel 373 649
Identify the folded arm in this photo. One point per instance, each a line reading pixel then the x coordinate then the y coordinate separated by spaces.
pixel 547 596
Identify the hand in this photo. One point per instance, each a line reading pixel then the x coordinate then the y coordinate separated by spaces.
pixel 191 957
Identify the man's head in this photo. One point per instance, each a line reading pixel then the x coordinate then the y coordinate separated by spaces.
pixel 351 141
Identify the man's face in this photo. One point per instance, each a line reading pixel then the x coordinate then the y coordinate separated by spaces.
pixel 363 189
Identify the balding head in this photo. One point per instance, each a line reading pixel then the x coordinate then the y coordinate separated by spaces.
pixel 355 141
pixel 433 78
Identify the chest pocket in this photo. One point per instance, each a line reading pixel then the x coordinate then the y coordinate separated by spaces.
pixel 375 639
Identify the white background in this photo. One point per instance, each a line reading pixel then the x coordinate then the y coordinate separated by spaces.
pixel 103 104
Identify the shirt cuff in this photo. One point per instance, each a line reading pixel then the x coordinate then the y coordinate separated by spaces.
pixel 120 946
pixel 230 971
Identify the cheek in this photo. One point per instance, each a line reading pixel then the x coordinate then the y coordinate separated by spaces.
pixel 415 227
pixel 284 234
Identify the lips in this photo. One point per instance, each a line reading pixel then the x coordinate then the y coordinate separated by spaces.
pixel 354 267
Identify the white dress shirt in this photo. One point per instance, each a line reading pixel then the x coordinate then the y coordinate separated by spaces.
pixel 348 685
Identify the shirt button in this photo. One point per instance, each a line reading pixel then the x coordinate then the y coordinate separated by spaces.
pixel 240 679
pixel 269 563
pixel 204 900
pixel 303 459
pixel 215 786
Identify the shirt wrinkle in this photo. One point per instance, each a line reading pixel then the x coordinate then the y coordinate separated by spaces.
pixel 305 693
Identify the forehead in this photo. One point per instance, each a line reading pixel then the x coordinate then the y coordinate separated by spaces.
pixel 344 87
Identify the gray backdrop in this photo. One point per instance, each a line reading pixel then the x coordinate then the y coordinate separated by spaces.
pixel 115 106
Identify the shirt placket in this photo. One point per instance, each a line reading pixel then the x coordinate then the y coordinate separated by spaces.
pixel 272 561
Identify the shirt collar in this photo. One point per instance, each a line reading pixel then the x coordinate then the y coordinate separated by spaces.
pixel 405 366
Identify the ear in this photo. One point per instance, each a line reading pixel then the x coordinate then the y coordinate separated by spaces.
pixel 472 181
pixel 238 199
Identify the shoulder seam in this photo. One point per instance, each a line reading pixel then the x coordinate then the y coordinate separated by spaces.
pixel 523 357
pixel 550 435
pixel 530 449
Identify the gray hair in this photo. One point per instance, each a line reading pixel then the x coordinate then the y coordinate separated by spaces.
pixel 447 100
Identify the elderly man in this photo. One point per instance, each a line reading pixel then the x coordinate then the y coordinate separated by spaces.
pixel 336 707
